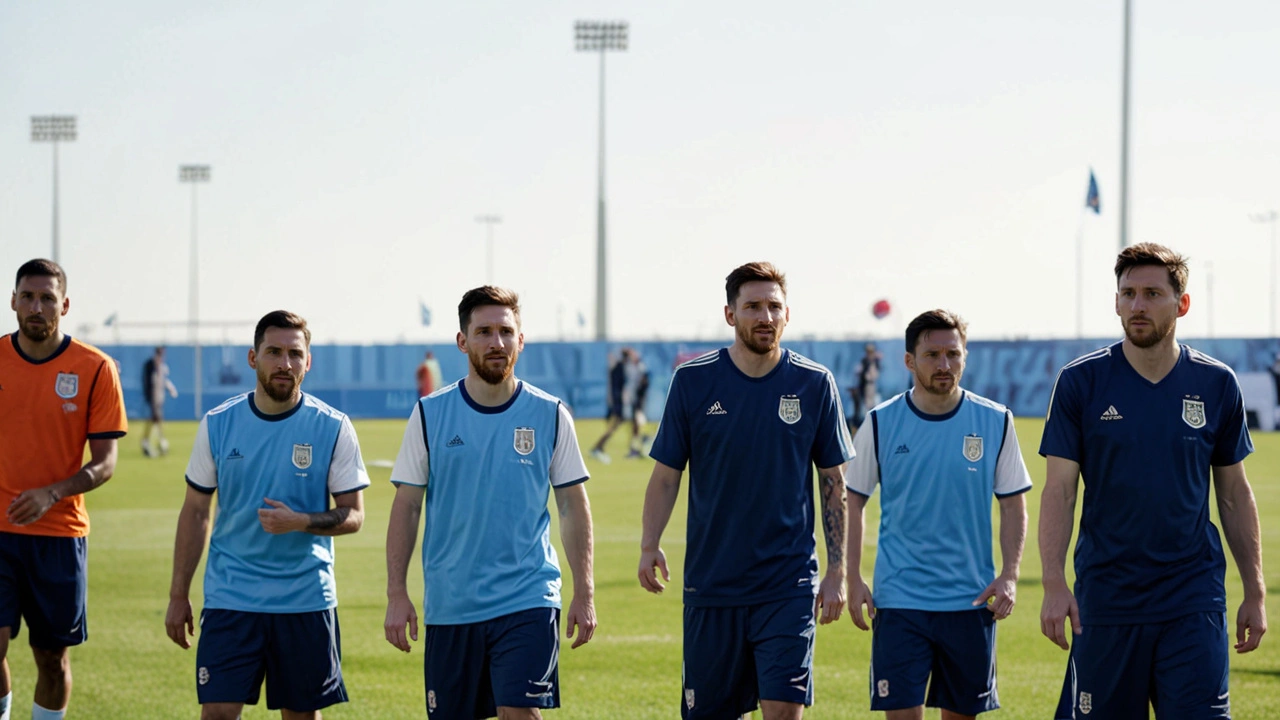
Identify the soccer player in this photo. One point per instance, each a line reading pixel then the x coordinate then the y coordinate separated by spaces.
pixel 56 394
pixel 484 454
pixel 1146 422
pixel 939 453
pixel 274 457
pixel 750 421
pixel 155 383
pixel 617 405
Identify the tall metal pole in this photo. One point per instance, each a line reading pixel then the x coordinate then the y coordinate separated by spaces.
pixel 594 36
pixel 1124 134
pixel 1270 217
pixel 488 221
pixel 54 129
pixel 195 174
pixel 57 250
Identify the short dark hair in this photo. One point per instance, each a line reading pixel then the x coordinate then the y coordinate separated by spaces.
pixel 935 320
pixel 42 268
pixel 1156 255
pixel 486 295
pixel 280 319
pixel 753 272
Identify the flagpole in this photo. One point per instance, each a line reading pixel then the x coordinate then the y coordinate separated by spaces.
pixel 1080 274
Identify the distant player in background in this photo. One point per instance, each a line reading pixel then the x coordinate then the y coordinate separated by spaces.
pixel 1147 423
pixel 155 385
pixel 866 376
pixel 625 373
pixel 430 377
pixel 750 421
pixel 638 382
pixel 56 394
pixel 939 454
pixel 276 457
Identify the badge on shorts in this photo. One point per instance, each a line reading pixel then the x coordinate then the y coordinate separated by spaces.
pixel 524 440
pixel 202 676
pixel 68 385
pixel 882 688
pixel 688 697
pixel 972 448
pixel 789 409
pixel 301 456
pixel 1193 413
pixel 431 700
pixel 1086 703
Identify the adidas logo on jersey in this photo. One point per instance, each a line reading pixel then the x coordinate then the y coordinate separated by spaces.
pixel 715 409
pixel 1111 414
pixel 455 442
pixel 902 450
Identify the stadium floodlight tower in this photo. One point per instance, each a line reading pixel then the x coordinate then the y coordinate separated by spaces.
pixel 54 129
pixel 488 221
pixel 194 174
pixel 1270 217
pixel 601 37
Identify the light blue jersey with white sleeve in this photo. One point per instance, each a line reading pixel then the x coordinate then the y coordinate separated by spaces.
pixel 488 473
pixel 937 475
pixel 300 457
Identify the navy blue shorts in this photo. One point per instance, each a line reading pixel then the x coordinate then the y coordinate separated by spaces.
pixel 300 654
pixel 1180 667
pixel 736 656
pixel 45 580
pixel 953 653
pixel 510 661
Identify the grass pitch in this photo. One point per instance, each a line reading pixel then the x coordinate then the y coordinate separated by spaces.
pixel 130 669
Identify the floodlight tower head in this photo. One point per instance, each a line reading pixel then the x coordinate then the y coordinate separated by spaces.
pixel 595 35
pixel 53 128
pixel 193 173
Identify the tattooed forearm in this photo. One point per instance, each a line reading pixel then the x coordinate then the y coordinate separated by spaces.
pixel 833 518
pixel 329 519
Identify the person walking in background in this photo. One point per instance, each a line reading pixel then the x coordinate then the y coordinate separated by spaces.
pixel 56 395
pixel 865 391
pixel 623 376
pixel 482 456
pixel 275 457
pixel 1147 423
pixel 430 377
pixel 638 387
pixel 750 421
pixel 155 385
pixel 939 454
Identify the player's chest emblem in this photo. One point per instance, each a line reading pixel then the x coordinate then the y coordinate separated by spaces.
pixel 67 386
pixel 1193 413
pixel 789 409
pixel 301 456
pixel 972 448
pixel 524 440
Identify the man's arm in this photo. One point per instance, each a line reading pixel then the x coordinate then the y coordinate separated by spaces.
pixel 1238 512
pixel 1003 591
pixel 1057 518
pixel 188 546
pixel 659 502
pixel 575 535
pixel 402 535
pixel 831 593
pixel 859 593
pixel 32 504
pixel 345 517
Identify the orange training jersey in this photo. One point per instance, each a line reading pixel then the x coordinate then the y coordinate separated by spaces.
pixel 49 409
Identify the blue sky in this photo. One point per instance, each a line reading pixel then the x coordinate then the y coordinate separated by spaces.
pixel 931 154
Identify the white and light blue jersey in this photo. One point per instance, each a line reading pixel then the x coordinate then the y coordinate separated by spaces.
pixel 937 475
pixel 751 445
pixel 488 472
pixel 300 458
pixel 1146 551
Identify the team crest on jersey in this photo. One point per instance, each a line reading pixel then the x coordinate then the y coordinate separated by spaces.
pixel 789 409
pixel 972 448
pixel 688 697
pixel 301 456
pixel 1086 703
pixel 1193 413
pixel 68 385
pixel 524 440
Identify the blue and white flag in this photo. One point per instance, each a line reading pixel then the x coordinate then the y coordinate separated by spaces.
pixel 426 313
pixel 1092 201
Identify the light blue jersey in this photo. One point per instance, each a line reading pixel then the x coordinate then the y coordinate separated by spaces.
pixel 937 475
pixel 300 458
pixel 486 548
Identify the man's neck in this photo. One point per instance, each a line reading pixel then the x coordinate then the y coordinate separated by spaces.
pixel 931 404
pixel 268 405
pixel 40 350
pixel 751 363
pixel 487 394
pixel 1155 362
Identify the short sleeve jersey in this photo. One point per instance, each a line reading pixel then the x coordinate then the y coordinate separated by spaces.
pixel 488 473
pixel 937 476
pixel 750 445
pixel 49 409
pixel 300 458
pixel 1147 551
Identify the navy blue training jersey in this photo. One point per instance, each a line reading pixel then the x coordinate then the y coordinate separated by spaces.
pixel 750 445
pixel 1147 551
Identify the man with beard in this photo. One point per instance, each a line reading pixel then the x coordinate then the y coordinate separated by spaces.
pixel 56 394
pixel 1146 423
pixel 274 456
pixel 750 421
pixel 939 453
pixel 484 454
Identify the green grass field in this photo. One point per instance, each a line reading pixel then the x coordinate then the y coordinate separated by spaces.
pixel 130 669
